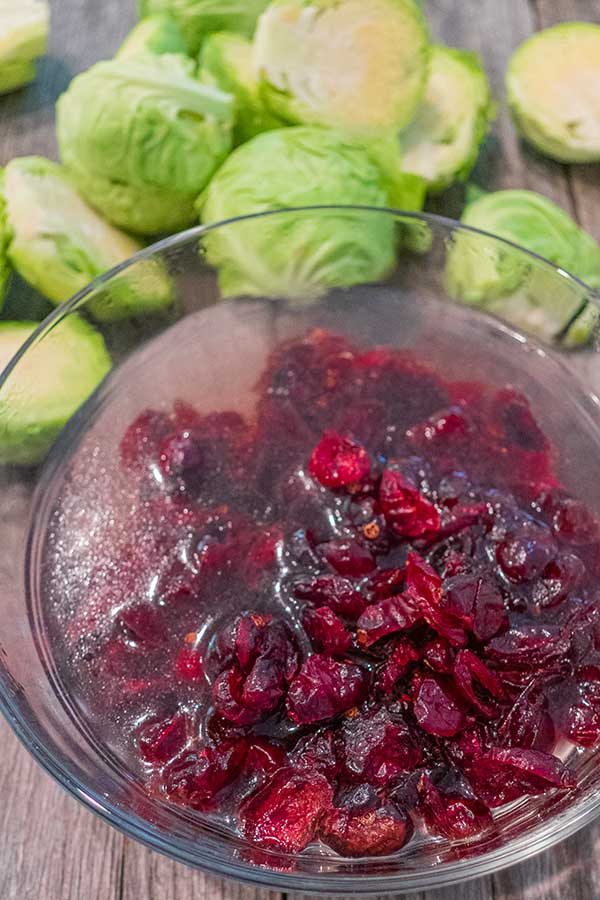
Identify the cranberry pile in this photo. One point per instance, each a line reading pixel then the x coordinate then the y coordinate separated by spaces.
pixel 415 621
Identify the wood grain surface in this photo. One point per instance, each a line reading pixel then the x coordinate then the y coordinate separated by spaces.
pixel 52 848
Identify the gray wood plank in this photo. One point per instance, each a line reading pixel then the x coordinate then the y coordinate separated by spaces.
pixel 52 848
pixel 584 179
pixel 149 876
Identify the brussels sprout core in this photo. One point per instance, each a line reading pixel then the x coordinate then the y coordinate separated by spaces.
pixel 349 64
pixel 553 86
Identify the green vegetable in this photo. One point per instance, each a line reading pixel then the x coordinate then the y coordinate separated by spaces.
pixel 356 65
pixel 24 26
pixel 4 241
pixel 553 91
pixel 142 139
pixel 297 257
pixel 157 34
pixel 47 385
pixel 226 63
pixel 504 281
pixel 442 143
pixel 199 18
pixel 59 244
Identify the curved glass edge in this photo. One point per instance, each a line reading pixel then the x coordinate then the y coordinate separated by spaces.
pixel 192 234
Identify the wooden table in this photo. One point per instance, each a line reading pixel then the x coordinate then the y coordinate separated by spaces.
pixel 53 849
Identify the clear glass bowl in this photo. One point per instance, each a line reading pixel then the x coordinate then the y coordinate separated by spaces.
pixel 413 301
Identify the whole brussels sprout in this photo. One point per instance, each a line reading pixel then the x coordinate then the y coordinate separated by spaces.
pixel 442 143
pixel 552 85
pixel 142 138
pixel 226 63
pixel 58 243
pixel 198 18
pixel 156 34
pixel 350 64
pixel 297 256
pixel 24 27
pixel 502 280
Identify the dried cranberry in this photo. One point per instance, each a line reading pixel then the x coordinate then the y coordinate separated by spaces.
pixel 528 723
pixel 316 752
pixel 195 778
pixel 515 422
pixel 439 656
pixel 180 456
pixel 476 601
pixel 528 647
pixel 348 557
pixel 338 461
pixel 386 617
pixel 449 425
pixel 451 809
pixel 436 709
pixel 377 746
pixel 366 832
pixel 398 662
pixel 408 513
pixel 561 576
pixel 339 594
pixel 583 724
pixel 188 664
pixel 139 445
pixel 161 741
pixel 385 583
pixel 477 684
pixel 142 623
pixel 326 631
pixel 325 687
pixel 284 814
pixel 502 775
pixel 524 555
pixel 574 524
pixel 264 757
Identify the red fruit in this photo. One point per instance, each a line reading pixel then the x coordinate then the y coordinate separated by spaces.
pixel 385 583
pixel 143 624
pixel 436 709
pixel 366 832
pixel 477 684
pixel 316 752
pixel 439 656
pixel 338 593
pixel 574 524
pixel 326 631
pixel 348 557
pixel 325 687
pixel 264 757
pixel 386 617
pixel 514 422
pixel 161 741
pixel 397 665
pixel 188 664
pixel 528 647
pixel 503 774
pixel 561 576
pixel 376 746
pixel 453 810
pixel 180 455
pixel 337 461
pixel 284 815
pixel 408 513
pixel 525 554
pixel 441 429
pixel 139 445
pixel 195 778
pixel 583 724
pixel 477 603
pixel 528 723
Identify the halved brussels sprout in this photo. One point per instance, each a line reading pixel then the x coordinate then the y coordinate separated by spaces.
pixel 24 27
pixel 199 18
pixel 226 63
pixel 297 257
pixel 4 239
pixel 48 385
pixel 58 243
pixel 553 91
pixel 157 34
pixel 442 143
pixel 502 280
pixel 143 138
pixel 351 64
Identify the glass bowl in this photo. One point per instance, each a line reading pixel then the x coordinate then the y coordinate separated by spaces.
pixel 442 293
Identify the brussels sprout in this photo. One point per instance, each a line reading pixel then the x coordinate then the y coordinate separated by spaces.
pixel 198 18
pixel 24 27
pixel 442 143
pixel 343 63
pixel 297 257
pixel 502 279
pixel 142 139
pixel 552 86
pixel 58 244
pixel 4 263
pixel 47 386
pixel 226 63
pixel 156 34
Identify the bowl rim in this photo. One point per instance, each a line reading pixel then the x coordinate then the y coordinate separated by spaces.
pixel 537 839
